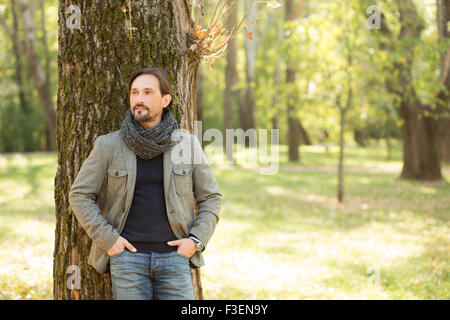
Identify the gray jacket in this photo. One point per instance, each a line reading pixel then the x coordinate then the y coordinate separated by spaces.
pixel 102 193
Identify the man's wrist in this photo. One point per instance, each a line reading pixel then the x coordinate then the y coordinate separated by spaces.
pixel 198 244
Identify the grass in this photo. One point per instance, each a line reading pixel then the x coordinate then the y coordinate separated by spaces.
pixel 281 236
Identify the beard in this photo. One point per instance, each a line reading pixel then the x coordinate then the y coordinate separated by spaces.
pixel 141 116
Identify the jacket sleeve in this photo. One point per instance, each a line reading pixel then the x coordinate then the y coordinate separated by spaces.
pixel 83 198
pixel 207 195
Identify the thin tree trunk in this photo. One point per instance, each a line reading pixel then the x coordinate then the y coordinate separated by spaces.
pixel 37 73
pixel 304 135
pixel 341 156
pixel 275 100
pixel 94 65
pixel 248 109
pixel 293 122
pixel 23 103
pixel 200 104
pixel 343 113
pixel 231 77
pixel 18 74
pixel 44 41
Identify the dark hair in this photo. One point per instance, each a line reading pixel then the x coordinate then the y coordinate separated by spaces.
pixel 164 84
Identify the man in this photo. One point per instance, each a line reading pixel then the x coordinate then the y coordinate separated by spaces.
pixel 135 198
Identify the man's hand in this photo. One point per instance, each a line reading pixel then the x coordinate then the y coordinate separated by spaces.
pixel 119 246
pixel 186 246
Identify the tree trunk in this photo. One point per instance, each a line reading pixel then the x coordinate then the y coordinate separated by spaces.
pixel 23 103
pixel 200 106
pixel 445 140
pixel 421 157
pixel 360 137
pixel 247 113
pixel 18 74
pixel 294 131
pixel 304 135
pixel 49 136
pixel 421 154
pixel 37 73
pixel 275 99
pixel 231 77
pixel 94 64
pixel 341 156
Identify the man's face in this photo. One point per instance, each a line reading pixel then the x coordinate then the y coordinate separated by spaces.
pixel 146 102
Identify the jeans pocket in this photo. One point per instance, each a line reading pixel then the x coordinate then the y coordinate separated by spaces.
pixel 118 254
pixel 179 254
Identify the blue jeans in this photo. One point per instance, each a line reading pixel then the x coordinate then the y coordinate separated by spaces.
pixel 147 276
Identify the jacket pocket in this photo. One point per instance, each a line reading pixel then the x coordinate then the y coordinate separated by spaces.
pixel 183 180
pixel 117 181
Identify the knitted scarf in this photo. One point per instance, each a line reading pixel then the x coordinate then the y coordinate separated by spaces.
pixel 149 143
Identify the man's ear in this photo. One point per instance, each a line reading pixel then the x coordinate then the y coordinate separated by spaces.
pixel 166 99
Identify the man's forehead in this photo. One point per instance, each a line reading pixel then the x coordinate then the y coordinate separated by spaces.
pixel 145 82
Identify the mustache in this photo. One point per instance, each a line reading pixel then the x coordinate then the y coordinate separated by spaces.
pixel 140 105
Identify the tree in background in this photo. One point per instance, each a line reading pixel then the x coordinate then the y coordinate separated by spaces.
pixel 443 97
pixel 26 122
pixel 412 85
pixel 231 92
pixel 26 45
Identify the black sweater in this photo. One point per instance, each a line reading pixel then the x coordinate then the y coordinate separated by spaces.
pixel 147 226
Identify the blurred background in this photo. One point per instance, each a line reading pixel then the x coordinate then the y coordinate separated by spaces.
pixel 367 77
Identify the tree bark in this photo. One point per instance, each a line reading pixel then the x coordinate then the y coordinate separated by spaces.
pixel 94 64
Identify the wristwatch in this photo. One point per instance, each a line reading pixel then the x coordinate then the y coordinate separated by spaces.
pixel 198 244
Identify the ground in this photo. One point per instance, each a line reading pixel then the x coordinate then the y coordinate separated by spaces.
pixel 281 236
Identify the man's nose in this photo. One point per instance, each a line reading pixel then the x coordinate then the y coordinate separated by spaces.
pixel 140 98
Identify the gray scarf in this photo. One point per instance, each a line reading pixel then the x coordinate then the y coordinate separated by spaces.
pixel 149 143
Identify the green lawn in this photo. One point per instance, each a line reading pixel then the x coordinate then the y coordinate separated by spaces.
pixel 281 236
